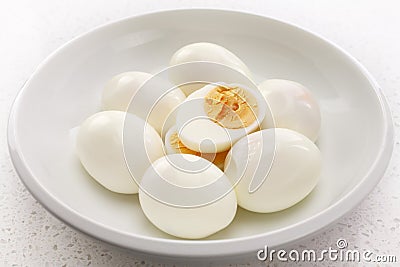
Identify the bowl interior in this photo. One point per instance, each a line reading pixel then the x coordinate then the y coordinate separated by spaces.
pixel 66 89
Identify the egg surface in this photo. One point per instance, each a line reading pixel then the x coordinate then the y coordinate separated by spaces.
pixel 187 196
pixel 121 89
pixel 273 169
pixel 214 117
pixel 206 52
pixel 100 148
pixel 292 106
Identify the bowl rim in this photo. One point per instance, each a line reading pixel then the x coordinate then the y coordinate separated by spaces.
pixel 203 248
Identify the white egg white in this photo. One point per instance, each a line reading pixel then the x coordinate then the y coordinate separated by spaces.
pixel 121 89
pixel 100 148
pixel 273 169
pixel 205 52
pixel 292 106
pixel 187 197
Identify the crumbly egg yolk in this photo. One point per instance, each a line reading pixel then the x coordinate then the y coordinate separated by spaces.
pixel 217 158
pixel 230 107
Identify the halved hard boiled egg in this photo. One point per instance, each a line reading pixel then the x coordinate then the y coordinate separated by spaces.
pixel 292 106
pixel 174 145
pixel 214 117
pixel 273 169
pixel 100 148
pixel 186 196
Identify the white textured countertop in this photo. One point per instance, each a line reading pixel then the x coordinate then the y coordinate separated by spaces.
pixel 31 30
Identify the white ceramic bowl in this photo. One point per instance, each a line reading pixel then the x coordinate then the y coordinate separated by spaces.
pixel 355 140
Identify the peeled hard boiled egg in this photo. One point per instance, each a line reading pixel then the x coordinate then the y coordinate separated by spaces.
pixel 173 145
pixel 120 90
pixel 292 106
pixel 214 117
pixel 273 169
pixel 205 52
pixel 99 144
pixel 187 196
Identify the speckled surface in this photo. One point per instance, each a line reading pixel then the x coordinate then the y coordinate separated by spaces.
pixel 31 30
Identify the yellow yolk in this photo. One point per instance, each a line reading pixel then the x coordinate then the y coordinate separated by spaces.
pixel 218 158
pixel 230 107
